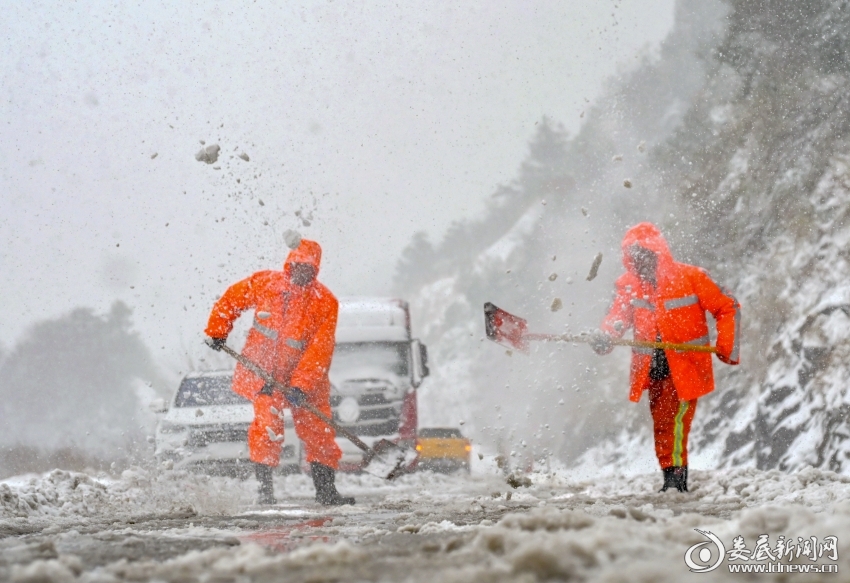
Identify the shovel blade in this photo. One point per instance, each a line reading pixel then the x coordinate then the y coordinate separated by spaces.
pixel 389 459
pixel 504 328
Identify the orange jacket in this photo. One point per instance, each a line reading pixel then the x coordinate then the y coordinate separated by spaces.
pixel 674 310
pixel 294 327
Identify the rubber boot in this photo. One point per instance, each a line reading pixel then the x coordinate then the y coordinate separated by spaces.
pixel 326 493
pixel 675 477
pixel 266 490
pixel 669 479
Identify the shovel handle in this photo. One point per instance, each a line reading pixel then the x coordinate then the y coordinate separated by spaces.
pixel 260 372
pixel 622 342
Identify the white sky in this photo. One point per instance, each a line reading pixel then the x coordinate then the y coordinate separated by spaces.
pixel 383 117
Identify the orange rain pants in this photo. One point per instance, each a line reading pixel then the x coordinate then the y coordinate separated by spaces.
pixel 318 439
pixel 671 419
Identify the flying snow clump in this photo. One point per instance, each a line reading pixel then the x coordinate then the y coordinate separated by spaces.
pixel 594 269
pixel 208 154
pixel 292 238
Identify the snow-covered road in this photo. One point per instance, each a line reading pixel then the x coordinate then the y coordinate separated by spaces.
pixel 172 526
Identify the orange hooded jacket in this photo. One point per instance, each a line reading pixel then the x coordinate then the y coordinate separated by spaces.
pixel 673 310
pixel 294 327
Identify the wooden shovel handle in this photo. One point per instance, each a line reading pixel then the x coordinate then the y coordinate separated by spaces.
pixel 621 342
pixel 260 372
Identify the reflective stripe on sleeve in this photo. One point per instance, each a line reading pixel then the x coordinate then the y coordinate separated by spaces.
pixel 680 302
pixel 267 332
pixel 642 350
pixel 736 346
pixel 638 303
pixel 296 344
pixel 701 341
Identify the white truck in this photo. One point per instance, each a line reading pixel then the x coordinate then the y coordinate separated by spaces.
pixel 376 369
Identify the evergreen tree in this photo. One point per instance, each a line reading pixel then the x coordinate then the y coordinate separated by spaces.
pixel 73 381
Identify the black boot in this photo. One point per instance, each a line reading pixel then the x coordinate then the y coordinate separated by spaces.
pixel 669 479
pixel 323 479
pixel 266 489
pixel 675 477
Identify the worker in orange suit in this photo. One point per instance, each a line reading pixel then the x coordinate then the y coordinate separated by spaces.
pixel 293 339
pixel 666 301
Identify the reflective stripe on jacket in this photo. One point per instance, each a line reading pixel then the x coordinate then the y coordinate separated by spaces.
pixel 674 309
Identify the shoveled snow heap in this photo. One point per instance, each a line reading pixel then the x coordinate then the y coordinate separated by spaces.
pixel 71 495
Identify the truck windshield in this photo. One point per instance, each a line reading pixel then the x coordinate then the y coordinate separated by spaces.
pixel 364 359
pixel 206 391
pixel 439 432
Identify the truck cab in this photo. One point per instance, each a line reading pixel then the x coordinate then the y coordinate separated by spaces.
pixel 377 367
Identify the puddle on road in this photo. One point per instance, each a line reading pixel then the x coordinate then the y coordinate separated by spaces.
pixel 281 539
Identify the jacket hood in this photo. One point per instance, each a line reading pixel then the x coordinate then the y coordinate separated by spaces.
pixel 649 237
pixel 307 252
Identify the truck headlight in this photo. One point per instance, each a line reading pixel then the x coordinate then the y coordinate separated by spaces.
pixel 348 410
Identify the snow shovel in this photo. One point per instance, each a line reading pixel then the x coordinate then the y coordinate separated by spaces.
pixel 512 331
pixel 385 455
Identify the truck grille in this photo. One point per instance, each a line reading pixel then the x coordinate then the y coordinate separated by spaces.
pixel 378 416
pixel 218 434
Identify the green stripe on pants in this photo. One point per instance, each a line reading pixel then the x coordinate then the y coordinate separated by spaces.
pixel 678 433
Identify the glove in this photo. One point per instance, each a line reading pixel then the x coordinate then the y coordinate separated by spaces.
pixel 216 343
pixel 296 396
pixel 601 342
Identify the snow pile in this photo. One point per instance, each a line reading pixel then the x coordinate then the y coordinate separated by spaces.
pixel 552 544
pixel 59 493
pixel 341 552
pixel 64 569
pixel 70 495
pixel 245 562
pixel 811 487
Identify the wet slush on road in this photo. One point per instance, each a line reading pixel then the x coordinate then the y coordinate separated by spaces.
pixel 173 526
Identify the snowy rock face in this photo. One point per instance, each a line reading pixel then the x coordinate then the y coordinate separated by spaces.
pixel 566 207
pixel 762 162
